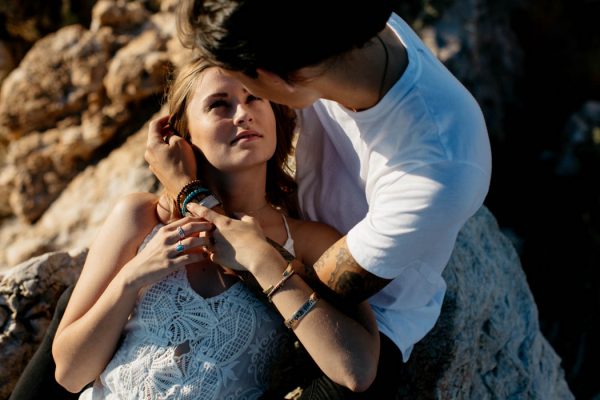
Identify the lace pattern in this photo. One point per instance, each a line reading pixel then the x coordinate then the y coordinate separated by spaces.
pixel 180 345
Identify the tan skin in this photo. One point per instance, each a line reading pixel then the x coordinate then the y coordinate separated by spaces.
pixel 349 82
pixel 345 347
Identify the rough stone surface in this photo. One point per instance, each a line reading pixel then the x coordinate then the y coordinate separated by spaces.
pixel 52 82
pixel 74 218
pixel 487 343
pixel 28 295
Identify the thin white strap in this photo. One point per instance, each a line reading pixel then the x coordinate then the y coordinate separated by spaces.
pixel 287 228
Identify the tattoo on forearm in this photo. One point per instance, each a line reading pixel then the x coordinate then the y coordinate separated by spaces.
pixel 351 282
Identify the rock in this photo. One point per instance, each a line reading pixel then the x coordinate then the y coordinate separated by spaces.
pixel 119 14
pixel 138 70
pixel 73 219
pixel 487 343
pixel 28 295
pixel 53 82
pixel 7 62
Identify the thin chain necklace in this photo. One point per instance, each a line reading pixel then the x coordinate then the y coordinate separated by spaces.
pixel 255 211
pixel 384 68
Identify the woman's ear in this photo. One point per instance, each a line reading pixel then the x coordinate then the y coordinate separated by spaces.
pixel 272 79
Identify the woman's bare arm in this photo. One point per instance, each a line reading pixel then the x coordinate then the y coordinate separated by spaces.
pixel 107 289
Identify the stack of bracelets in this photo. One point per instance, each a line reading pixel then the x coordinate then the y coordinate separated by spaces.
pixel 304 309
pixel 194 191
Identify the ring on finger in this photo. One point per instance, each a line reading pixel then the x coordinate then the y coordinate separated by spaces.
pixel 180 247
pixel 181 232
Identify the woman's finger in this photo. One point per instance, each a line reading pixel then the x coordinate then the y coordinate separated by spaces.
pixel 206 213
pixel 185 259
pixel 187 226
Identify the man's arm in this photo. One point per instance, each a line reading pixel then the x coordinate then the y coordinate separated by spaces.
pixel 338 271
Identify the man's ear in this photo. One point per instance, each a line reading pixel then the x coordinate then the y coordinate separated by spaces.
pixel 273 79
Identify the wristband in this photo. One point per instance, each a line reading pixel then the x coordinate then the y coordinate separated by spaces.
pixel 209 201
pixel 302 311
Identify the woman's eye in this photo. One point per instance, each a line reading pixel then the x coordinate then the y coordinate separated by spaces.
pixel 217 104
pixel 251 98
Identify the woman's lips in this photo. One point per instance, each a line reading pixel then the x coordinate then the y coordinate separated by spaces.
pixel 246 136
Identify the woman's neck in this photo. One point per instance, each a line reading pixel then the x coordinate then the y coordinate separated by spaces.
pixel 242 191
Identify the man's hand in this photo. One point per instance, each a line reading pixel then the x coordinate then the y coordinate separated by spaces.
pixel 171 158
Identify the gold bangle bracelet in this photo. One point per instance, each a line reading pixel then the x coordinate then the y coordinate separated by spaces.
pixel 287 274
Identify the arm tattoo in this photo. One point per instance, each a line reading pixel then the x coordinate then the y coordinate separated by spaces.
pixel 350 282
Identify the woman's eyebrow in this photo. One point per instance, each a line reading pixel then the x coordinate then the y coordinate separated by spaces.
pixel 217 95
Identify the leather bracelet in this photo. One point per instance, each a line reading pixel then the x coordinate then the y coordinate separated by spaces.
pixel 302 311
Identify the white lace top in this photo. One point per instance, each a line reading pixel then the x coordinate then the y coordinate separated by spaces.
pixel 179 345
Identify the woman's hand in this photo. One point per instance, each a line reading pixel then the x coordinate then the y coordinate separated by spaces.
pixel 170 157
pixel 237 244
pixel 180 243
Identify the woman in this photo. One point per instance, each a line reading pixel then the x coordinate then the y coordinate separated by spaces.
pixel 189 327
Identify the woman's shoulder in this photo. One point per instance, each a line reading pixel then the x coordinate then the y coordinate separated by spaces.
pixel 137 204
pixel 311 238
pixel 136 211
pixel 305 227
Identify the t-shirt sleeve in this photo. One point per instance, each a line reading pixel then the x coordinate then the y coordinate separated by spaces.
pixel 414 217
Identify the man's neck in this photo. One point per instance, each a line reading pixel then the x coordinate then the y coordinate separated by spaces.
pixel 361 78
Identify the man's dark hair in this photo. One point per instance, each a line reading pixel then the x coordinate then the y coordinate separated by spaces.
pixel 280 36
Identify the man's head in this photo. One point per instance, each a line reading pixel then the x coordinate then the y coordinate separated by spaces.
pixel 279 36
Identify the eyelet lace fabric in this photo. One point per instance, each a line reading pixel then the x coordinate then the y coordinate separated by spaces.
pixel 179 345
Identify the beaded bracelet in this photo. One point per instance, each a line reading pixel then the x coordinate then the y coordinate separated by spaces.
pixel 302 311
pixel 287 274
pixel 187 189
pixel 191 196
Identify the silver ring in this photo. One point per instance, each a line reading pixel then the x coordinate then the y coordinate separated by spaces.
pixel 181 232
pixel 180 247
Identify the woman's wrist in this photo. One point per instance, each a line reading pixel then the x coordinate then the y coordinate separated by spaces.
pixel 267 265
pixel 195 191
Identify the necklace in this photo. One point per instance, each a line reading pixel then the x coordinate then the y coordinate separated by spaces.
pixel 384 68
pixel 255 211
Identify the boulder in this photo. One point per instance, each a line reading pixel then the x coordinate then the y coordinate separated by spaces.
pixel 28 295
pixel 487 343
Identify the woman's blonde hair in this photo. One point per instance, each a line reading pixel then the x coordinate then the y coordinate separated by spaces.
pixel 281 187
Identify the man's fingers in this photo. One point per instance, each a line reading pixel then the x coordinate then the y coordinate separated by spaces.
pixel 155 129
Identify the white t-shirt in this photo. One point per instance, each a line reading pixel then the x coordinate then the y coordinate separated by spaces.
pixel 400 179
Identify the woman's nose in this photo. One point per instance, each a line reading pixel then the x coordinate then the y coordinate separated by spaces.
pixel 242 116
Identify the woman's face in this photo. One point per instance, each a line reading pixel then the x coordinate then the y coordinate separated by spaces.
pixel 234 129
